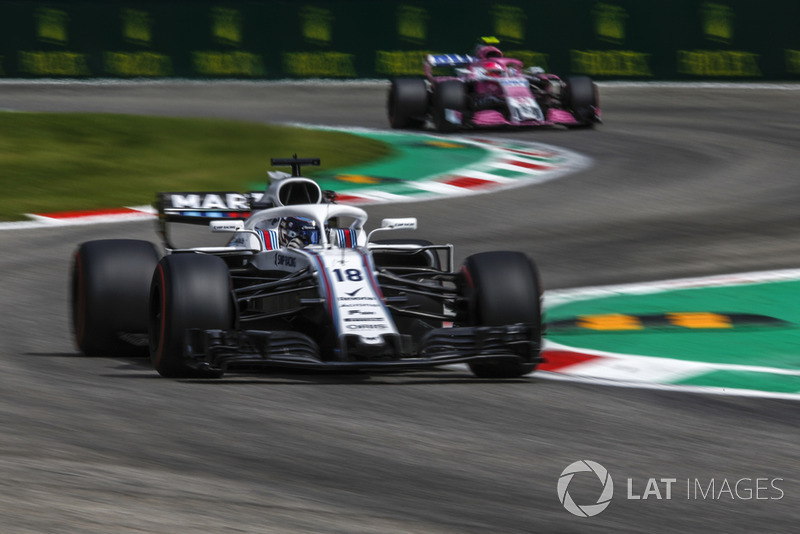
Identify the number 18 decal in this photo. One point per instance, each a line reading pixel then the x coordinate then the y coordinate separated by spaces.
pixel 351 275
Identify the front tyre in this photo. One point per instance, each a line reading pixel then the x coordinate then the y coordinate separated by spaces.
pixel 583 99
pixel 187 291
pixel 109 288
pixel 503 288
pixel 449 103
pixel 407 103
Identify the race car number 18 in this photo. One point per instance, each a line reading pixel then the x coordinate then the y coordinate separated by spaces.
pixel 351 275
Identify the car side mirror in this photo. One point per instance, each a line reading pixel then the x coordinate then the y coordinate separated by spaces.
pixel 407 223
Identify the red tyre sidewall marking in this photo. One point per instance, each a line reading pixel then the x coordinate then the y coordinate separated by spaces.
pixel 468 276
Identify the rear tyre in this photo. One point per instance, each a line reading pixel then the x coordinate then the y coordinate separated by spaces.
pixel 502 288
pixel 187 291
pixel 448 97
pixel 109 288
pixel 407 103
pixel 582 99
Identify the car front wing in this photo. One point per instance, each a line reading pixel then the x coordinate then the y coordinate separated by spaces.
pixel 249 349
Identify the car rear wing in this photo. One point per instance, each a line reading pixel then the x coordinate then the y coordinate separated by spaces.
pixel 449 60
pixel 443 66
pixel 202 207
pixel 198 208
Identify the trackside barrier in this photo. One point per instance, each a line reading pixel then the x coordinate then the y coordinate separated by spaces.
pixel 714 40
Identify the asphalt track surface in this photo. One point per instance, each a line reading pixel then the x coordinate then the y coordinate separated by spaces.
pixel 685 182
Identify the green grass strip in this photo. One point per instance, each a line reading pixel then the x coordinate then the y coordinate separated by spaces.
pixel 78 161
pixel 746 380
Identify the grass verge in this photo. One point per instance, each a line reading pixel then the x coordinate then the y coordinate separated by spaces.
pixel 79 161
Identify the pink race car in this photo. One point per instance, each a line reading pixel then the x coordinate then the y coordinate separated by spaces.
pixel 489 90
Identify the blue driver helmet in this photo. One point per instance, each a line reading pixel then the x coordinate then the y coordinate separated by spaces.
pixel 305 230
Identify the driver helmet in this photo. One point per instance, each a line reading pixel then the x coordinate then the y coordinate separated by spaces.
pixel 494 69
pixel 298 228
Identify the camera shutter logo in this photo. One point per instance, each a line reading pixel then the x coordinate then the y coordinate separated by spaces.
pixel 587 510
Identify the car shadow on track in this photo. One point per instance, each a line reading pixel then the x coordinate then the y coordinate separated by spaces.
pixel 131 367
pixel 327 377
pixel 351 380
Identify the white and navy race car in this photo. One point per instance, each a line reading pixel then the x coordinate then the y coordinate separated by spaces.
pixel 301 283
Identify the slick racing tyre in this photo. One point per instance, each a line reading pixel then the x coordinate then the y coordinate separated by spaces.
pixel 187 291
pixel 407 103
pixel 449 96
pixel 109 288
pixel 582 95
pixel 502 288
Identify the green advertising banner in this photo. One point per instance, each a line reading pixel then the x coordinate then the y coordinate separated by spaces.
pixel 724 40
